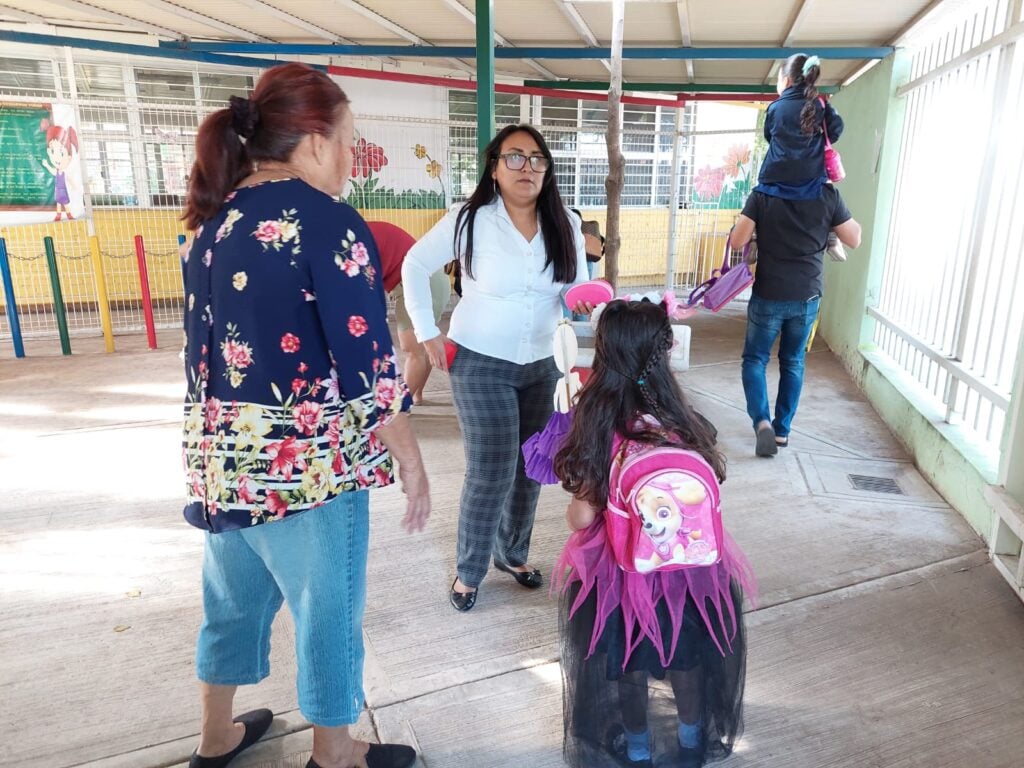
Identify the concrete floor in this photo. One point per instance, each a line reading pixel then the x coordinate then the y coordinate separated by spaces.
pixel 883 638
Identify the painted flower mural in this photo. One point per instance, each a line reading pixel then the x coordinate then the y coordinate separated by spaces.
pixel 726 185
pixel 736 159
pixel 709 182
pixel 369 161
pixel 434 168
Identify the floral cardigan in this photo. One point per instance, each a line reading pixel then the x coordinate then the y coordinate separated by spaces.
pixel 288 358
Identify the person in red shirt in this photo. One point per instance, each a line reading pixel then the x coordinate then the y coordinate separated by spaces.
pixel 393 243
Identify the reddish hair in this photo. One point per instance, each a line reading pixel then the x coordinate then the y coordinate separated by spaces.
pixel 289 102
pixel 66 136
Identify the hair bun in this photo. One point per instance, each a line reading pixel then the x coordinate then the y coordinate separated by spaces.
pixel 244 116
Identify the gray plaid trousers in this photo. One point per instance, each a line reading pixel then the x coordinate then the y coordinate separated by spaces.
pixel 499 405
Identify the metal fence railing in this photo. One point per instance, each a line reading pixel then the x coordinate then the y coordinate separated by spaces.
pixel 687 172
pixel 949 311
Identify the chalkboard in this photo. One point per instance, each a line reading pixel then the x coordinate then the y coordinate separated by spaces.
pixel 25 184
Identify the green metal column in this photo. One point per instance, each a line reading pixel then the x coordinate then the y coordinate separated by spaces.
pixel 484 73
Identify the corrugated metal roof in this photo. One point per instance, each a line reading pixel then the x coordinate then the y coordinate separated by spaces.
pixel 520 23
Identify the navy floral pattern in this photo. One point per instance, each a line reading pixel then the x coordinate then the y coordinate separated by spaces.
pixel 289 360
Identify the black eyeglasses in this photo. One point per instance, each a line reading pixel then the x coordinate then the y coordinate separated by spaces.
pixel 515 161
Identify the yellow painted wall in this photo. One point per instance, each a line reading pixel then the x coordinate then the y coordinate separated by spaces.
pixel 642 258
pixel 644 250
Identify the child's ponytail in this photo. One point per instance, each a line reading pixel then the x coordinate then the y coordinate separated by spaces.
pixel 810 70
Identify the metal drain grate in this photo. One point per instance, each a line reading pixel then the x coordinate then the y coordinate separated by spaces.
pixel 875 484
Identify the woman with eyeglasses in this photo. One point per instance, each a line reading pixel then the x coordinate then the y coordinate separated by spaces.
pixel 520 248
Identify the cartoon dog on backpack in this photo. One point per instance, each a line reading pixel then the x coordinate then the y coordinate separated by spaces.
pixel 661 505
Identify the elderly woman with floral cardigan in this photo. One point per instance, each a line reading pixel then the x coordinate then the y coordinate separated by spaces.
pixel 294 408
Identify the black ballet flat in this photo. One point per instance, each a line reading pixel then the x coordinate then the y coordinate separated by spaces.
pixel 256 724
pixel 463 601
pixel 530 579
pixel 384 756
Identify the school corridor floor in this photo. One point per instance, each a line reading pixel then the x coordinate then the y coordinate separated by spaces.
pixel 883 637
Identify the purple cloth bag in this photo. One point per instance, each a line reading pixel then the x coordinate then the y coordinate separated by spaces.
pixel 729 283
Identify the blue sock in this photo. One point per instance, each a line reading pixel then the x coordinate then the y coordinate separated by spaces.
pixel 638 745
pixel 690 735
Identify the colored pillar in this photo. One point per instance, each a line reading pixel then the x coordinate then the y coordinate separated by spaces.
pixel 9 302
pixel 484 75
pixel 181 260
pixel 101 293
pixel 147 298
pixel 58 296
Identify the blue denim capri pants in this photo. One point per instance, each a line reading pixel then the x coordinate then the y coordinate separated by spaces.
pixel 315 562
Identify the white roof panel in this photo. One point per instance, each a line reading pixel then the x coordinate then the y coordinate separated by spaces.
pixel 742 23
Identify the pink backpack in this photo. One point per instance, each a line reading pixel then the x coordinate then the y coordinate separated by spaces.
pixel 664 510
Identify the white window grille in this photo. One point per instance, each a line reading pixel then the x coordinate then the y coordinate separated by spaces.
pixel 947 312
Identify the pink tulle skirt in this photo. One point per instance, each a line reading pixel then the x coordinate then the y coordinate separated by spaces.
pixel 587 562
pixel 648 652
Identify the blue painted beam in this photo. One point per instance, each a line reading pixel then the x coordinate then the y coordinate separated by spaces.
pixel 535 52
pixel 177 52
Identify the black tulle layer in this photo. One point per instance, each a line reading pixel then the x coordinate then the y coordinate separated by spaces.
pixel 699 684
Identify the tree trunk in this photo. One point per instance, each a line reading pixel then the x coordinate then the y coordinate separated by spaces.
pixel 616 162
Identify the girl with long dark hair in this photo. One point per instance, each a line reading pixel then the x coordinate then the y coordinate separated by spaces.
pixel 519 248
pixel 794 125
pixel 652 662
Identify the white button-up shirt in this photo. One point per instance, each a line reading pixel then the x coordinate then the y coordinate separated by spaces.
pixel 511 305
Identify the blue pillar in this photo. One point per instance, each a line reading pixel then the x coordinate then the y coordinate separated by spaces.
pixel 9 303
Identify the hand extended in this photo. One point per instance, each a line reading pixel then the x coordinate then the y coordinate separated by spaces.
pixel 417 496
pixel 436 352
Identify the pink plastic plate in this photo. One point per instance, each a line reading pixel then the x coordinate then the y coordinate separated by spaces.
pixel 592 292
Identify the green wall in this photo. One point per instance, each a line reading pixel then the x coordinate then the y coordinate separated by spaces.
pixel 870 148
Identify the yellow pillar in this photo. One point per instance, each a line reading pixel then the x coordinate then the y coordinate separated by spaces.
pixel 101 292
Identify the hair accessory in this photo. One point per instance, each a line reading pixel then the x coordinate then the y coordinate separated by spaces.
pixel 244 116
pixel 811 61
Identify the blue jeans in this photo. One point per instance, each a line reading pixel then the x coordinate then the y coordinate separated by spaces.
pixel 316 563
pixel 766 321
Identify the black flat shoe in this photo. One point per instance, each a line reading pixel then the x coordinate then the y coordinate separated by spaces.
pixel 462 601
pixel 766 445
pixel 390 756
pixel 530 579
pixel 384 756
pixel 256 724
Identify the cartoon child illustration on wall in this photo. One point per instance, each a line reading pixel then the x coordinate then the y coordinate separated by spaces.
pixel 667 524
pixel 61 146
